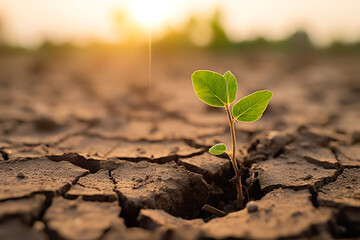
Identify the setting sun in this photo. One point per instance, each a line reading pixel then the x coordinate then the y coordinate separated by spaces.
pixel 150 13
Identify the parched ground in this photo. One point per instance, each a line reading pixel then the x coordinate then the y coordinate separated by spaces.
pixel 91 150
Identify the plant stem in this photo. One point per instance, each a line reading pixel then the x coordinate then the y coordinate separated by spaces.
pixel 240 196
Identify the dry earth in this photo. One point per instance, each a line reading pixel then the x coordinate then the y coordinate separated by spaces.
pixel 89 152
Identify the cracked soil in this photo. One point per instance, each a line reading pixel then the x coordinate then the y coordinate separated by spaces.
pixel 88 151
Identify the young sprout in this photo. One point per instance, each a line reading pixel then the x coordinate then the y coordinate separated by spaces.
pixel 219 90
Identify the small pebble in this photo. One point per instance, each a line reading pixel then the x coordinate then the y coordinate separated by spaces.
pixel 20 175
pixel 251 206
pixel 307 177
pixel 38 225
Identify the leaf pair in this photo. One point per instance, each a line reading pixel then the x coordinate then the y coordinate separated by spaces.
pixel 219 90
pixel 215 89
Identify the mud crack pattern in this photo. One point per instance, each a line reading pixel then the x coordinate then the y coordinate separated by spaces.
pixel 88 152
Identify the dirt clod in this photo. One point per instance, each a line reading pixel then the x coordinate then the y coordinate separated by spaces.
pixel 26 209
pixel 78 219
pixel 349 156
pixel 154 219
pixel 179 192
pixel 290 171
pixel 94 187
pixel 267 144
pixel 213 168
pixel 344 192
pixel 15 229
pixel 277 216
pixel 42 176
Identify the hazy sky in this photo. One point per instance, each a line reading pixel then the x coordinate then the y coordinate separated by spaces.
pixel 29 22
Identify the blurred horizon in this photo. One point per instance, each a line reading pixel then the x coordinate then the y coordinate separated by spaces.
pixel 200 23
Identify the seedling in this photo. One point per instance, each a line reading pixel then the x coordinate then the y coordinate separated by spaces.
pixel 219 90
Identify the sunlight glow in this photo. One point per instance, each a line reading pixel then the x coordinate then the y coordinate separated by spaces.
pixel 150 13
pixel 30 23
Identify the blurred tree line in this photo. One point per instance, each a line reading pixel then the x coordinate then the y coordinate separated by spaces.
pixel 186 38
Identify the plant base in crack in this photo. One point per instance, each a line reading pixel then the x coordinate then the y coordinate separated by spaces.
pixel 219 90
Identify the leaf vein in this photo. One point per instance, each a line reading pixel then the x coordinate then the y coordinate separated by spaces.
pixel 249 109
pixel 211 91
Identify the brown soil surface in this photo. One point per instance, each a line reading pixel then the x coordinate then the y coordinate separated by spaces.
pixel 88 150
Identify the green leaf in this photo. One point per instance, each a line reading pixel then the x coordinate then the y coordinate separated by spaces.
pixel 218 149
pixel 251 107
pixel 231 86
pixel 210 87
